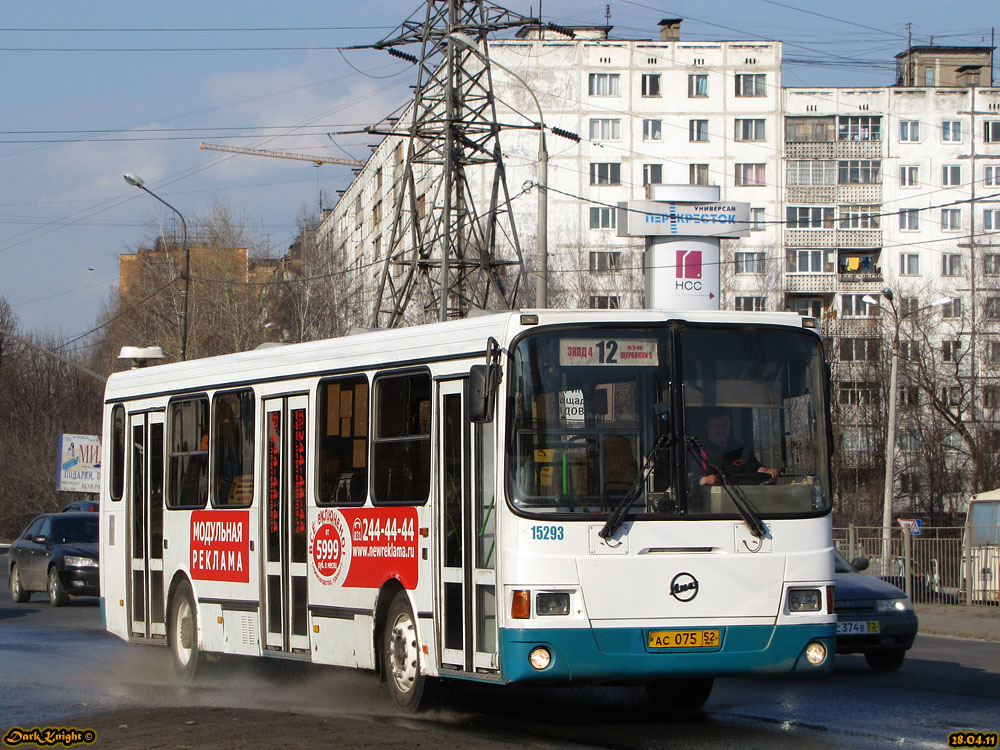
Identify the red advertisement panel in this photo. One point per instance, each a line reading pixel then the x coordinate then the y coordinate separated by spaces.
pixel 364 547
pixel 220 545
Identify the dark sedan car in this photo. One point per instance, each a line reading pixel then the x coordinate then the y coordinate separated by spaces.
pixel 56 554
pixel 874 618
pixel 86 506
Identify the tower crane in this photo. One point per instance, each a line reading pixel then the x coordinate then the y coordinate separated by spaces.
pixel 317 160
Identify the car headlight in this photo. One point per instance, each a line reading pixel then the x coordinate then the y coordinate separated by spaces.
pixel 894 605
pixel 80 562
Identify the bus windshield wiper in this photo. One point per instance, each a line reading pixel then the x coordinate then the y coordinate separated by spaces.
pixel 617 516
pixel 736 494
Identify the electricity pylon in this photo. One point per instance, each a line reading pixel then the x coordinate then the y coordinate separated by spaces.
pixel 450 248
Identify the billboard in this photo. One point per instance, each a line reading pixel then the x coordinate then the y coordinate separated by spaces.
pixel 683 219
pixel 79 463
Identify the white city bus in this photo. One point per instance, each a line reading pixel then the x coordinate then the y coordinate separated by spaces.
pixel 981 549
pixel 514 498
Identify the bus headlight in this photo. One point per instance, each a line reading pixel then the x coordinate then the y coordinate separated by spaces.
pixel 540 658
pixel 804 600
pixel 552 604
pixel 816 653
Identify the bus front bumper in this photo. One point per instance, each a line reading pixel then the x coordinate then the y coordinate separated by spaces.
pixel 598 655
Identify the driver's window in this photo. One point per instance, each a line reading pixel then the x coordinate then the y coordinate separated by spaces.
pixel 33 529
pixel 46 529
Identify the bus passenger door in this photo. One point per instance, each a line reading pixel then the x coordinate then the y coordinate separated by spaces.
pixel 466 521
pixel 145 505
pixel 284 525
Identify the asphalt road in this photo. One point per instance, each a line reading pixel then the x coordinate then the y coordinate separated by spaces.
pixel 59 668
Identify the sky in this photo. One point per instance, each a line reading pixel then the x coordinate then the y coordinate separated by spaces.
pixel 90 91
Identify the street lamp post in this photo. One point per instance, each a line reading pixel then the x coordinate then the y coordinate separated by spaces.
pixel 138 182
pixel 890 437
pixel 542 281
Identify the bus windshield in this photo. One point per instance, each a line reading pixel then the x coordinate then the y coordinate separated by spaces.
pixel 677 418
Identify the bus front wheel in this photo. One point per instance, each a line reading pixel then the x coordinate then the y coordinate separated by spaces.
pixel 679 694
pixel 183 630
pixel 401 655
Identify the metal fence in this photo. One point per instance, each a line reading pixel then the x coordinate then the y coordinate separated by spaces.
pixel 932 565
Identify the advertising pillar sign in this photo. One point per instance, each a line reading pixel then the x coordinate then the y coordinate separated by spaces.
pixel 682 227
pixel 79 463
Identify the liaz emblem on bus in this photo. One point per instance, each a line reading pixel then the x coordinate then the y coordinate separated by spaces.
pixel 220 545
pixel 608 352
pixel 364 547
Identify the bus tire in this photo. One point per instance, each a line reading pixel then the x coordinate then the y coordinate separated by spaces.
pixel 681 694
pixel 401 655
pixel 17 591
pixel 57 594
pixel 182 630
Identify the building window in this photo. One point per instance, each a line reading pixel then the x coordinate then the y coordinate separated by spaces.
pixel 749 262
pixel 859 393
pixel 651 84
pixel 951 131
pixel 859 350
pixel 951 175
pixel 757 220
pixel 604 302
pixel 751 304
pixel 991 131
pixel 652 174
pixel 811 173
pixel 951 264
pixel 652 130
pixel 750 175
pixel 698 131
pixel 908 176
pixel 991 393
pixel 950 350
pixel 807 307
pixel 859 128
pixel 909 396
pixel 749 130
pixel 810 130
pixel 697 85
pixel 908 351
pixel 751 84
pixel 859 172
pixel 605 173
pixel 951 219
pixel 991 264
pixel 602 261
pixel 909 483
pixel 993 358
pixel 605 129
pixel 991 308
pixel 604 84
pixel 602 217
pixel 908 441
pixel 909 131
pixel 860 217
pixel 909 219
pixel 991 219
pixel 854 306
pixel 698 174
pixel 991 176
pixel 951 395
pixel 810 260
pixel 908 305
pixel 952 308
pixel 809 217
pixel 909 264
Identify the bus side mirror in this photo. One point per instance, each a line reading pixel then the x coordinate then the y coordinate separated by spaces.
pixel 482 394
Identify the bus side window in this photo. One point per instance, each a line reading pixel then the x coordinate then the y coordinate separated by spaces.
pixel 117 452
pixel 187 454
pixel 401 444
pixel 233 449
pixel 343 441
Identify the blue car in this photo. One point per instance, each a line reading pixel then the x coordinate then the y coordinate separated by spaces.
pixel 874 618
pixel 57 554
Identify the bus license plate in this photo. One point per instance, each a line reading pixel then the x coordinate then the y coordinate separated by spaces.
pixel 857 627
pixel 684 639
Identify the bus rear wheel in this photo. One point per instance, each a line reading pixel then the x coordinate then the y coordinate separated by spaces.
pixel 401 655
pixel 679 694
pixel 183 633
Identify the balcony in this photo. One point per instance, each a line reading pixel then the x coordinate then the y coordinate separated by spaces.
pixel 834 150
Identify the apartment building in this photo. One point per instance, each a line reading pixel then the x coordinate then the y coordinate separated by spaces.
pixel 852 190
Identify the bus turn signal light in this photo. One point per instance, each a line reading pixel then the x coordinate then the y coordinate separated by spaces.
pixel 520 608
